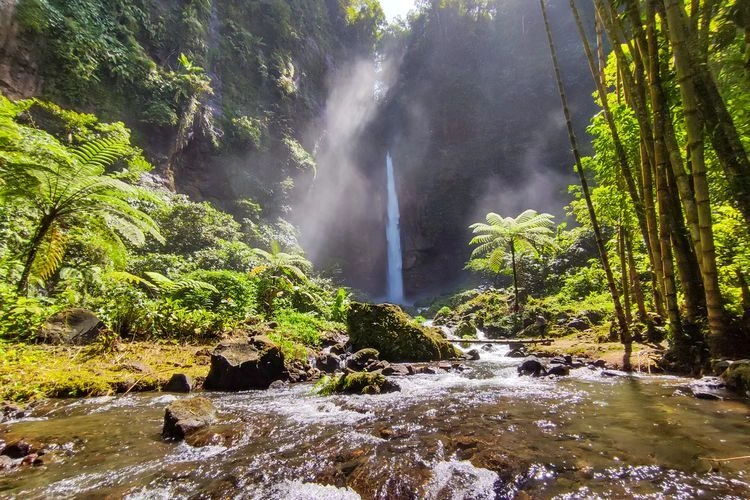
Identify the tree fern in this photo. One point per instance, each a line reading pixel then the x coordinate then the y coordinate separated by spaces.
pixel 500 236
pixel 67 187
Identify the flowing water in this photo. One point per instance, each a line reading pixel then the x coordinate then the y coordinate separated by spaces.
pixel 395 279
pixel 482 433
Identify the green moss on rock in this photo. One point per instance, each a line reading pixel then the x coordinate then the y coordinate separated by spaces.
pixel 466 329
pixel 355 383
pixel 737 377
pixel 387 328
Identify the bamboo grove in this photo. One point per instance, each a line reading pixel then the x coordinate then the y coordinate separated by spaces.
pixel 671 166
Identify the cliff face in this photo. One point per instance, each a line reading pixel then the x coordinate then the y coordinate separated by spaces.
pixel 19 73
pixel 219 93
pixel 476 126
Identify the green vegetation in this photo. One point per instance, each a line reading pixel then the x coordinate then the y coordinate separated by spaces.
pixel 530 231
pixel 154 266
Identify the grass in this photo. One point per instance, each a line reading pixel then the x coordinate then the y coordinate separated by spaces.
pixel 32 372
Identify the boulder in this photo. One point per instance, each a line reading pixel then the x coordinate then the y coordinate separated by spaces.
pixel 362 358
pixel 72 327
pixel 719 366
pixel 179 382
pixel 737 377
pixel 356 383
pixel 466 329
pixel 559 371
pixel 19 449
pixel 388 329
pixel 11 412
pixel 243 365
pixel 185 416
pixel 472 355
pixel 328 362
pixel 516 353
pixel 580 324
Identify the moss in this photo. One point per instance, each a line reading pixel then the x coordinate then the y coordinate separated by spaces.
pixel 30 372
pixel 466 330
pixel 737 377
pixel 354 383
pixel 388 329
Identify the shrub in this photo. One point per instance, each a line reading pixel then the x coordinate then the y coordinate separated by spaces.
pixel 234 295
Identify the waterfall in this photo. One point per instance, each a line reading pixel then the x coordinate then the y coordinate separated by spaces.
pixel 393 237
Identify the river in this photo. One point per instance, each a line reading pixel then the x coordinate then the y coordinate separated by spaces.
pixel 482 433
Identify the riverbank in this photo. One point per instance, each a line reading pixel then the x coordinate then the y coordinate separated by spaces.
pixel 29 373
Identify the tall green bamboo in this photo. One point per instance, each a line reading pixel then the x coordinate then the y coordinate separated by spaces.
pixel 625 336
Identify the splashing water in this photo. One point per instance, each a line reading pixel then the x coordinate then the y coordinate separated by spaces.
pixel 393 236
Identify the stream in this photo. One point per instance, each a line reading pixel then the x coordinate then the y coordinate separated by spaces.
pixel 481 433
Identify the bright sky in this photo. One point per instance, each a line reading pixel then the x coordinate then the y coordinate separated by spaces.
pixel 394 8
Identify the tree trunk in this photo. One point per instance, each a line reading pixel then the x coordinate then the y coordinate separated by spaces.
pixel 517 306
pixel 624 273
pixel 41 232
pixel 745 293
pixel 707 101
pixel 648 231
pixel 686 73
pixel 619 313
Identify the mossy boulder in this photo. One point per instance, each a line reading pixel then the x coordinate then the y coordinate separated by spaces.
pixel 356 383
pixel 737 377
pixel 388 329
pixel 185 416
pixel 444 316
pixel 466 329
pixel 72 327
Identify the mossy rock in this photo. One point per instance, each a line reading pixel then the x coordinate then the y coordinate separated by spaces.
pixel 444 316
pixel 737 377
pixel 466 329
pixel 356 383
pixel 388 329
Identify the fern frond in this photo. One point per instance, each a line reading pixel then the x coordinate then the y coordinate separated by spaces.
pixel 50 255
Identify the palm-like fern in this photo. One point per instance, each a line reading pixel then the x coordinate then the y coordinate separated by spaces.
pixel 68 188
pixel 502 235
pixel 279 271
pixel 278 263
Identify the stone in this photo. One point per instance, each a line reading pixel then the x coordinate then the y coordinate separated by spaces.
pixel 72 327
pixel 466 329
pixel 328 362
pixel 244 365
pixel 388 329
pixel 338 349
pixel 579 324
pixel 11 412
pixel 398 370
pixel 559 371
pixel 719 366
pixel 357 383
pixel 19 449
pixel 737 377
pixel 531 367
pixel 472 355
pixel 516 353
pixel 6 462
pixel 362 358
pixel 186 416
pixel 600 363
pixel 179 382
